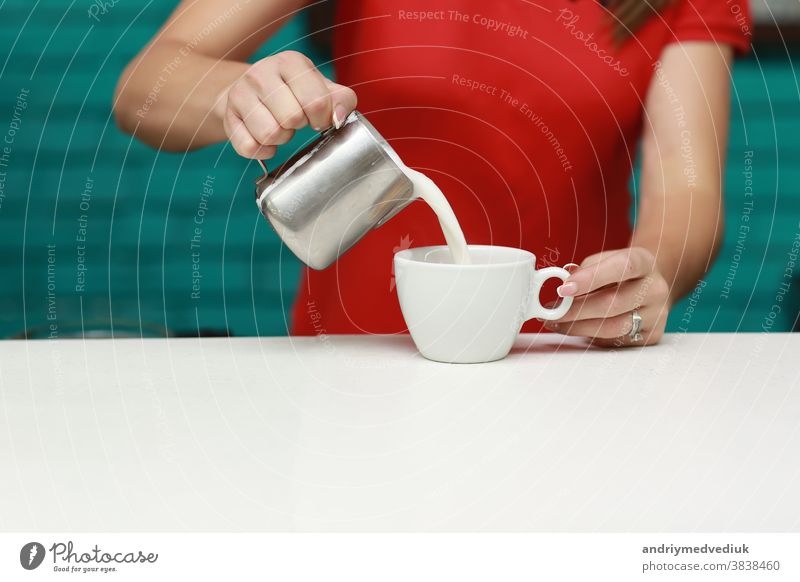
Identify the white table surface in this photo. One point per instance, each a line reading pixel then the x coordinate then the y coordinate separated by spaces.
pixel 700 433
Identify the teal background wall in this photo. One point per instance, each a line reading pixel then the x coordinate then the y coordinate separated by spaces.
pixel 743 288
pixel 141 215
pixel 142 204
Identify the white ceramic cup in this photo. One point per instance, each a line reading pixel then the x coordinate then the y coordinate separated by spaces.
pixel 471 313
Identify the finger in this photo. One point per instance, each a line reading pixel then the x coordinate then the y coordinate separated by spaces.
pixel 280 100
pixel 310 91
pixel 650 336
pixel 610 327
pixel 614 268
pixel 259 120
pixel 241 140
pixel 597 257
pixel 609 301
pixel 344 101
pixel 648 339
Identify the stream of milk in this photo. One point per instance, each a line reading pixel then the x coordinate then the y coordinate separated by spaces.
pixel 427 190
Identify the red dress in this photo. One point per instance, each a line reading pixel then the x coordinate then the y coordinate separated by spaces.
pixel 523 113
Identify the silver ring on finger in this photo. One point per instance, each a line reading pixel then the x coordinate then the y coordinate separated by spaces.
pixel 635 335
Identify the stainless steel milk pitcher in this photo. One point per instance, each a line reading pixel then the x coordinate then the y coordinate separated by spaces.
pixel 327 197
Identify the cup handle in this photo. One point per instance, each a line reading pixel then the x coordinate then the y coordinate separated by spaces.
pixel 536 309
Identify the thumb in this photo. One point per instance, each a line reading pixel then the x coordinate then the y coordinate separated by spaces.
pixel 343 100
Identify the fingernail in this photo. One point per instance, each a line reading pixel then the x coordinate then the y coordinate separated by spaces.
pixel 567 289
pixel 339 115
pixel 571 267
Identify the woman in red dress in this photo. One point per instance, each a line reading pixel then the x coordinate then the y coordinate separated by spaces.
pixel 528 115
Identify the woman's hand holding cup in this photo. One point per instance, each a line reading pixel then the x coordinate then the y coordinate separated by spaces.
pixel 277 96
pixel 606 289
